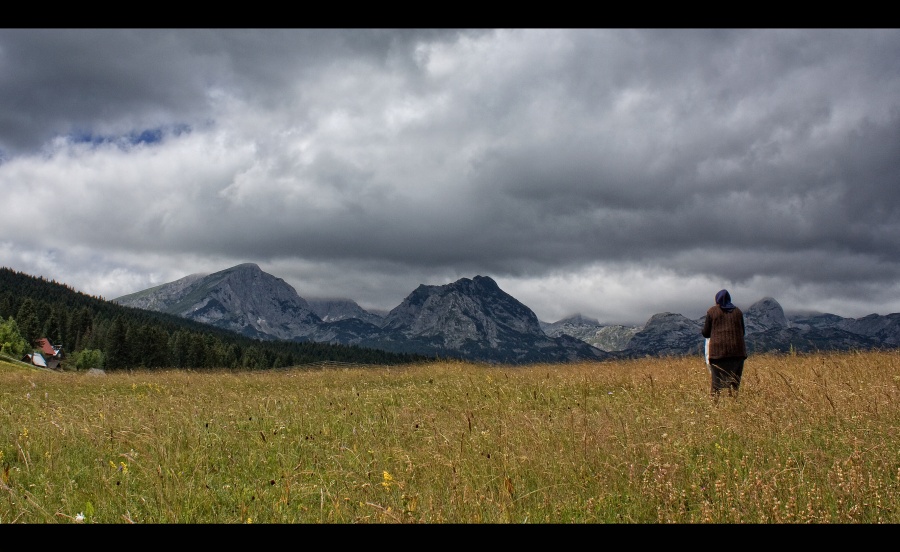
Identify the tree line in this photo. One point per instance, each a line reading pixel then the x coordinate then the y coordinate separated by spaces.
pixel 96 333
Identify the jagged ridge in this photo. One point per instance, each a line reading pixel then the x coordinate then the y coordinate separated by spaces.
pixel 474 319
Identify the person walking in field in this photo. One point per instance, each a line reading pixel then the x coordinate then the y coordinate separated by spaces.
pixel 724 327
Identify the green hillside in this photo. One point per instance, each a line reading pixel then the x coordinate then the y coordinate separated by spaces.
pixel 9 364
pixel 118 337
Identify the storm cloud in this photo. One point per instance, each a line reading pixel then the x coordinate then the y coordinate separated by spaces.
pixel 615 173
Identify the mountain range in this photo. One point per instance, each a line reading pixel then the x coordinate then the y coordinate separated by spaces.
pixel 473 319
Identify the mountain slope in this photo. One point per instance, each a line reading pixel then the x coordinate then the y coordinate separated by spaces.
pixel 243 299
pixel 334 310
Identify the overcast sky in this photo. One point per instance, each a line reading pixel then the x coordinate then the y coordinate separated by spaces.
pixel 615 173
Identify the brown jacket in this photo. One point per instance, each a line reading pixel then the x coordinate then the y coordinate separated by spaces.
pixel 725 331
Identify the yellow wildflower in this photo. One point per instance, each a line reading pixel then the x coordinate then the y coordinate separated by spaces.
pixel 387 480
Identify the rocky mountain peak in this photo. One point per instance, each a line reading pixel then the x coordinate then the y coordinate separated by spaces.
pixel 243 299
pixel 578 319
pixel 248 267
pixel 474 318
pixel 468 309
pixel 765 314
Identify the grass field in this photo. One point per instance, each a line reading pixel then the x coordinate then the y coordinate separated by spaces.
pixel 811 438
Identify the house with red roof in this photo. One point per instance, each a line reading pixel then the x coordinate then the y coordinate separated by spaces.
pixel 48 350
pixel 46 355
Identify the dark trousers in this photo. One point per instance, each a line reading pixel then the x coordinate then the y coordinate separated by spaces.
pixel 725 373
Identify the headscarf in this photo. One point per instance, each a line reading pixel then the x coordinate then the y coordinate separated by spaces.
pixel 723 299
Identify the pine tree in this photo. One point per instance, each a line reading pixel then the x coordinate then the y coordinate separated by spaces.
pixel 115 349
pixel 54 328
pixel 27 319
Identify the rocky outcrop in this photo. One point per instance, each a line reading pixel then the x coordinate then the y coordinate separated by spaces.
pixel 884 329
pixel 576 325
pixel 334 310
pixel 612 337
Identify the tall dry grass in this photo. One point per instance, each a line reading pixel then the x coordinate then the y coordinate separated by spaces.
pixel 810 439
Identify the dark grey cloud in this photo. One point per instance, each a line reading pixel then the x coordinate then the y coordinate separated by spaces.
pixel 62 81
pixel 613 172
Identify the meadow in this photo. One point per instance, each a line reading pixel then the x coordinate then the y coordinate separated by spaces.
pixel 811 438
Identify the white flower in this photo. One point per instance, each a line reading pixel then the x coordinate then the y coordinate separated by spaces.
pixel 79 517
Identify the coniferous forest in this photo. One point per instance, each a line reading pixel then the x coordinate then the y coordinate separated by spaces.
pixel 96 333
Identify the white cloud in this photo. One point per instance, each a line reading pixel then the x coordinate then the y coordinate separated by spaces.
pixel 612 172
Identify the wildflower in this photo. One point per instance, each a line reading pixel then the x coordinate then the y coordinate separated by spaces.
pixel 79 517
pixel 387 480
